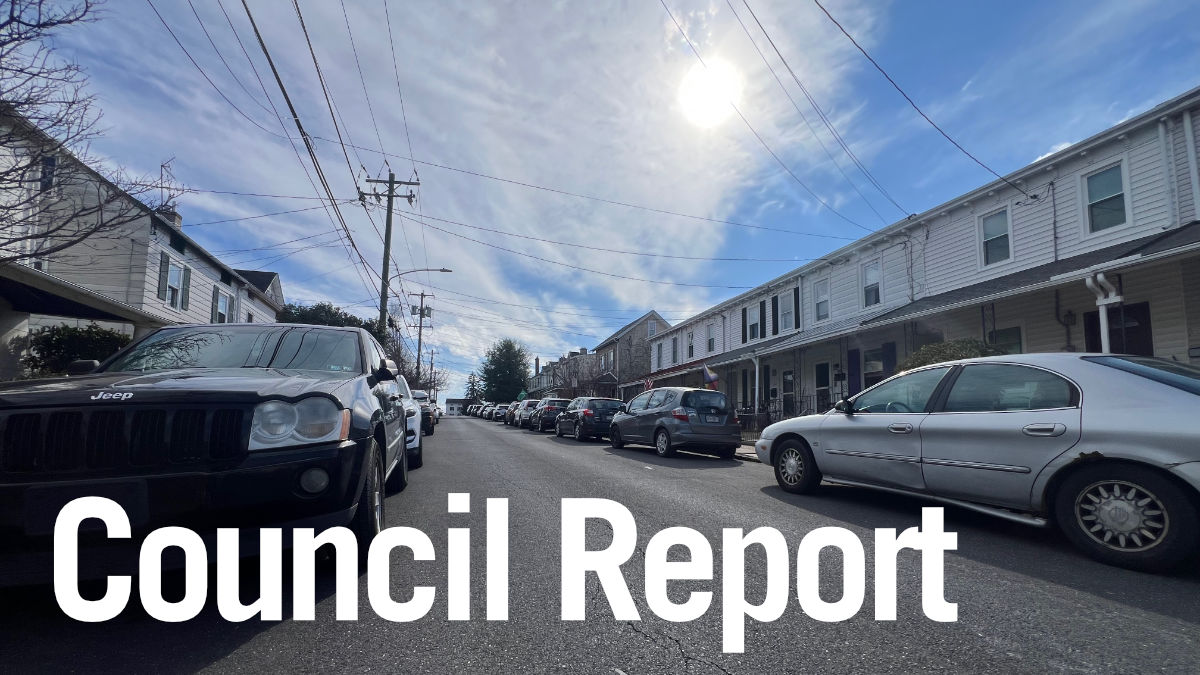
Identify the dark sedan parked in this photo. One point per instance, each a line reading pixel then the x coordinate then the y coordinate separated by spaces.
pixel 586 417
pixel 546 412
pixel 244 426
pixel 678 417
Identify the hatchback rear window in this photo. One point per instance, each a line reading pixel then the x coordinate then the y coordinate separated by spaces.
pixel 557 401
pixel 710 402
pixel 1170 373
pixel 604 405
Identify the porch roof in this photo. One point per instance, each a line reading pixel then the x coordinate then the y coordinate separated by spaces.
pixel 1159 242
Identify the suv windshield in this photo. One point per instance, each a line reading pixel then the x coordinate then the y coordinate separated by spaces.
pixel 1178 375
pixel 215 346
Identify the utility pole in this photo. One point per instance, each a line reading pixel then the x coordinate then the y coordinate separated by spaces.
pixel 420 331
pixel 391 183
pixel 432 380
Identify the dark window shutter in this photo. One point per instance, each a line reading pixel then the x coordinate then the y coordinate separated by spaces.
pixel 216 296
pixel 775 315
pixel 762 318
pixel 186 289
pixel 744 327
pixel 164 266
pixel 889 359
pixel 796 308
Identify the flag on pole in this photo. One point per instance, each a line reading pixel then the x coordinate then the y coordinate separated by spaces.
pixel 649 384
pixel 710 378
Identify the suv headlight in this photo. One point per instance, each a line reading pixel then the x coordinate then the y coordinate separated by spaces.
pixel 279 424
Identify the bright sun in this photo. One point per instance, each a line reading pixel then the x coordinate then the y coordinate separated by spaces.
pixel 707 92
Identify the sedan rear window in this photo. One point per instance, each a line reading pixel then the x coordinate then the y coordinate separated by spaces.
pixel 710 402
pixel 604 405
pixel 1171 373
pixel 557 401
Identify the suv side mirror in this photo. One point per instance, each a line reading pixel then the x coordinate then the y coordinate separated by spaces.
pixel 623 409
pixel 82 367
pixel 844 406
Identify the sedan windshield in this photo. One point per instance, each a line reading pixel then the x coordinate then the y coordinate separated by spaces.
pixel 214 346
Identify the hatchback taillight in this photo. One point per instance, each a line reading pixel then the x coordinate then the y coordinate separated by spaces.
pixel 680 414
pixel 588 413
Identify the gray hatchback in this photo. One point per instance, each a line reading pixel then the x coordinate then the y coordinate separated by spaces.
pixel 672 418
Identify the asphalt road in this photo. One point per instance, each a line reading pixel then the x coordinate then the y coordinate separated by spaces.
pixel 1027 602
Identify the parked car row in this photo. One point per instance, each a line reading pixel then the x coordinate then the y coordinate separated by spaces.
pixel 667 418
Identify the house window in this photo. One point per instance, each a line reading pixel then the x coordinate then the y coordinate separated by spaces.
pixel 752 321
pixel 177 242
pixel 821 299
pixel 674 349
pixel 1007 340
pixel 249 317
pixel 870 282
pixel 651 328
pixel 659 356
pixel 175 284
pixel 691 350
pixel 49 168
pixel 222 303
pixel 1105 199
pixel 712 337
pixel 872 369
pixel 994 227
pixel 786 312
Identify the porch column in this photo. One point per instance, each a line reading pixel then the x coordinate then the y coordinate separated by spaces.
pixel 757 374
pixel 1106 294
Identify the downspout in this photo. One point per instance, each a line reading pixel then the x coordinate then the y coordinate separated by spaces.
pixel 1189 138
pixel 1168 174
pixel 1106 294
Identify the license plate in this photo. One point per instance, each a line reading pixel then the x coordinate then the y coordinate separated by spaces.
pixel 713 419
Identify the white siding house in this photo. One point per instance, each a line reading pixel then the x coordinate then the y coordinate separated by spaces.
pixel 1012 263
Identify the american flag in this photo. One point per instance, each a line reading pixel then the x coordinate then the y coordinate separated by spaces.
pixel 649 384
pixel 710 378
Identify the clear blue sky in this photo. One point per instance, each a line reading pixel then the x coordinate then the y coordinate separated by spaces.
pixel 585 98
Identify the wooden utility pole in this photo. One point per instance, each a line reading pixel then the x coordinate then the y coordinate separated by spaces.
pixel 391 183
pixel 420 331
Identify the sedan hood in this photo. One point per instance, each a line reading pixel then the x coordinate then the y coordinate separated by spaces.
pixel 190 385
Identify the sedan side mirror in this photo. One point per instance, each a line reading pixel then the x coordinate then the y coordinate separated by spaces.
pixel 82 367
pixel 844 406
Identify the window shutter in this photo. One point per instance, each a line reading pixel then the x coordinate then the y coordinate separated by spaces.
pixel 164 265
pixel 216 296
pixel 185 291
pixel 762 318
pixel 796 308
pixel 775 315
pixel 744 326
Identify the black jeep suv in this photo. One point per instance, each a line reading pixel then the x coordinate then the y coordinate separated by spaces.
pixel 205 426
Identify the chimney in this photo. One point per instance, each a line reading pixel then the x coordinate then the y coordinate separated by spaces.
pixel 582 350
pixel 537 364
pixel 172 216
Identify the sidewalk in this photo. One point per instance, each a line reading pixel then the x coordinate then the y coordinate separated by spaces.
pixel 746 451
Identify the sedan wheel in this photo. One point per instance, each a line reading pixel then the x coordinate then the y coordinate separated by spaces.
pixel 558 430
pixel 579 433
pixel 795 469
pixel 614 437
pixel 662 444
pixel 1128 516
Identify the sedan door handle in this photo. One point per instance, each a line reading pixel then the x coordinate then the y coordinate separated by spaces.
pixel 1055 429
pixel 900 428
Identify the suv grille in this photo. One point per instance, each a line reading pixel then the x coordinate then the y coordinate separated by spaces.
pixel 100 439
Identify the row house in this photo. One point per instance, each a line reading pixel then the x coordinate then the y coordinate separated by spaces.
pixel 1093 248
pixel 140 272
pixel 572 375
pixel 616 368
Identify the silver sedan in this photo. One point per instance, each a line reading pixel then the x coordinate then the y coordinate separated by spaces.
pixel 1105 446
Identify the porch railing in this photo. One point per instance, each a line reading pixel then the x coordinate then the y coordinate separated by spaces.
pixel 769 412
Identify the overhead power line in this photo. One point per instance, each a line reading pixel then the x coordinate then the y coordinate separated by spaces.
pixel 758 136
pixel 913 103
pixel 820 113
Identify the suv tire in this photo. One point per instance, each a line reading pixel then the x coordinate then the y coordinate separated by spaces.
pixel 368 516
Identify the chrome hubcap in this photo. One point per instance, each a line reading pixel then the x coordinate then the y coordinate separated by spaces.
pixel 377 499
pixel 791 466
pixel 1121 515
pixel 662 443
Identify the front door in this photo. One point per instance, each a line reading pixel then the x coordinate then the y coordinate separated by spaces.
pixel 880 443
pixel 1128 330
pixel 789 394
pixel 1000 425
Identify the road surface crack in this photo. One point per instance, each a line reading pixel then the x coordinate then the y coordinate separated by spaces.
pixel 687 658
